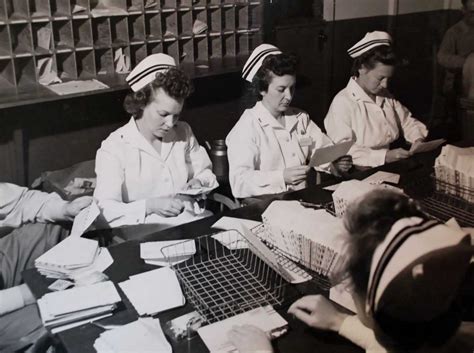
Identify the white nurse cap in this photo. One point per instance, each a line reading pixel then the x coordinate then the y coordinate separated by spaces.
pixel 370 41
pixel 146 70
pixel 254 62
pixel 417 270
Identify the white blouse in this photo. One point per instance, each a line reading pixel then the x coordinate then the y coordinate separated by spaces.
pixel 129 171
pixel 260 148
pixel 372 125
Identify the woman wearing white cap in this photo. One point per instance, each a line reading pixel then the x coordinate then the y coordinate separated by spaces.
pixel 143 166
pixel 365 111
pixel 271 144
pixel 407 274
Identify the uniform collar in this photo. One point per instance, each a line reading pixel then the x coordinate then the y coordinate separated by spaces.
pixel 265 118
pixel 130 134
pixel 358 94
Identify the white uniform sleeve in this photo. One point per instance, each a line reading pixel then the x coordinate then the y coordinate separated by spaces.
pixel 339 128
pixel 243 154
pixel 19 205
pixel 361 335
pixel 108 192
pixel 199 162
pixel 413 129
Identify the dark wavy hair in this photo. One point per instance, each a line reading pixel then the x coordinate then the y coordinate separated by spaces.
pixel 368 222
pixel 173 81
pixel 383 54
pixel 279 65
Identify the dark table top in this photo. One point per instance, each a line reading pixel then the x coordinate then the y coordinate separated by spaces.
pixel 127 262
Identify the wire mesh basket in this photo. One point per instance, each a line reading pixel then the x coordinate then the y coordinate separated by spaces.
pixel 443 200
pixel 227 275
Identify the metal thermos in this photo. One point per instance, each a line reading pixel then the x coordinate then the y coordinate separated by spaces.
pixel 218 154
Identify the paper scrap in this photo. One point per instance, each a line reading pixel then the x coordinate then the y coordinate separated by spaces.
pixel 332 187
pixel 229 223
pixel 44 37
pixel 72 87
pixel 341 294
pixel 150 3
pixel 85 219
pixel 122 62
pixel 215 335
pixel 420 147
pixel 199 27
pixel 47 74
pixel 330 153
pixel 78 8
pixel 381 176
pixel 153 291
pixel 167 252
pixel 232 240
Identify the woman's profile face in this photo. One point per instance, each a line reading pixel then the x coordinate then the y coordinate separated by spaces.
pixel 161 114
pixel 374 81
pixel 279 94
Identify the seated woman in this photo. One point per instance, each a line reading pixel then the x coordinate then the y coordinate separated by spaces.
pixel 407 275
pixel 143 166
pixel 271 144
pixel 365 111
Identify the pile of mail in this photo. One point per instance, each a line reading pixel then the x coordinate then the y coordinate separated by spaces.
pixel 153 291
pixel 454 170
pixel 72 258
pixel 143 335
pixel 73 307
pixel 313 238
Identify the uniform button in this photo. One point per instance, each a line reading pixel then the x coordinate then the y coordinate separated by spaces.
pixel 293 154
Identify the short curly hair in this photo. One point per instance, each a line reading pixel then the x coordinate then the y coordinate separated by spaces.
pixel 279 65
pixel 383 54
pixel 173 81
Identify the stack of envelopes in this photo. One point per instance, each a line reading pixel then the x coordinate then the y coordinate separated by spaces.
pixel 73 307
pixel 72 256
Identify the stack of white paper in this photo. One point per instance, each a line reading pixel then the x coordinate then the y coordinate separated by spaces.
pixel 215 335
pixel 158 253
pixel 455 166
pixel 143 335
pixel 311 237
pixel 153 291
pixel 73 307
pixel 73 257
pixel 353 190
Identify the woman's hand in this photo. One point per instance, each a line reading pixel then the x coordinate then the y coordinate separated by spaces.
pixel 396 155
pixel 164 206
pixel 250 339
pixel 194 184
pixel 318 312
pixel 72 208
pixel 295 175
pixel 341 165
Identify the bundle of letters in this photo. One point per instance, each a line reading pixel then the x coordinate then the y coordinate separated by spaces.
pixel 73 307
pixel 73 257
pixel 454 171
pixel 313 238
pixel 143 335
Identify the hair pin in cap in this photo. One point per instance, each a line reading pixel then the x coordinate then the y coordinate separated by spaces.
pixel 417 270
pixel 146 70
pixel 254 62
pixel 370 41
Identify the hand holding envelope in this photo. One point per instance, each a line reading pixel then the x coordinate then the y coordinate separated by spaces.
pixel 333 153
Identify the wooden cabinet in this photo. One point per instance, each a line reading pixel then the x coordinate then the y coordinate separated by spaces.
pixel 83 39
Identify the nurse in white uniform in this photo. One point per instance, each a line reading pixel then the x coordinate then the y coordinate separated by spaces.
pixel 271 144
pixel 366 112
pixel 143 166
